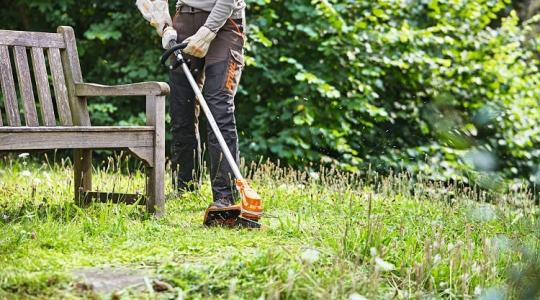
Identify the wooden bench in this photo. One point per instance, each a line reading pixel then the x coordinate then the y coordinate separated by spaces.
pixel 64 121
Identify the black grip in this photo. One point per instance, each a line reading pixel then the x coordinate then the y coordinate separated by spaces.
pixel 174 47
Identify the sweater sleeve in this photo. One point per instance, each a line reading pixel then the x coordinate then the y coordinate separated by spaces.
pixel 222 10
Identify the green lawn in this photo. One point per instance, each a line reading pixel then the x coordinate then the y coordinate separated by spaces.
pixel 327 236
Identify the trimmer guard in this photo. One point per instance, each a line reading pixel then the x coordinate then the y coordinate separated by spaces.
pixel 228 217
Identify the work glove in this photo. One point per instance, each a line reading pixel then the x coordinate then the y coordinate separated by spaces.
pixel 169 34
pixel 157 13
pixel 199 43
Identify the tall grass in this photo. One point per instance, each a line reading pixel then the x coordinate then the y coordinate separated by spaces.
pixel 327 235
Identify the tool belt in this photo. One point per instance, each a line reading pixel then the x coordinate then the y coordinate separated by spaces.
pixel 237 15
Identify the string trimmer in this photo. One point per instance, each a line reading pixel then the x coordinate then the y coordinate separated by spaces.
pixel 249 211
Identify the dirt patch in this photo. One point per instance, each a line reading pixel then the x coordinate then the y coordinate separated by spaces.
pixel 108 280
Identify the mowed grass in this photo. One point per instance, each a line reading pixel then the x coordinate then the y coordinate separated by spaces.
pixel 327 235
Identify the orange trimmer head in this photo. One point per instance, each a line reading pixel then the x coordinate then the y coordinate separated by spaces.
pixel 246 214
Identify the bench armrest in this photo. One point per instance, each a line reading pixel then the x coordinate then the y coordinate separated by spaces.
pixel 136 89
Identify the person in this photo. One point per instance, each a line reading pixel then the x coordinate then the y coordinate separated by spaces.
pixel 214 33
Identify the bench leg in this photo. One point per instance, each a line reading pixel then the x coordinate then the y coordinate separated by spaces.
pixel 156 189
pixel 155 114
pixel 82 174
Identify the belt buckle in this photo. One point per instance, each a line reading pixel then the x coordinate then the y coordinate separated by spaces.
pixel 185 9
pixel 188 9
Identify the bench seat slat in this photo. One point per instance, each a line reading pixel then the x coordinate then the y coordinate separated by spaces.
pixel 60 89
pixel 31 39
pixel 35 138
pixel 44 90
pixel 8 88
pixel 25 86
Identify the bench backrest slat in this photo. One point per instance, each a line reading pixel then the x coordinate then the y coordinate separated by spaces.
pixel 25 86
pixel 31 39
pixel 43 88
pixel 72 69
pixel 8 88
pixel 60 89
pixel 32 62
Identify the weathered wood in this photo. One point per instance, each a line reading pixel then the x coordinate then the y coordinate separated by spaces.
pixel 106 139
pixel 114 198
pixel 1 123
pixel 136 89
pixel 8 88
pixel 82 174
pixel 43 88
pixel 82 167
pixel 146 154
pixel 25 86
pixel 145 142
pixel 31 39
pixel 155 110
pixel 60 89
pixel 78 129
pixel 73 74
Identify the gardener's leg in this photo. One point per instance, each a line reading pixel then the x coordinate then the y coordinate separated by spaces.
pixel 224 63
pixel 185 152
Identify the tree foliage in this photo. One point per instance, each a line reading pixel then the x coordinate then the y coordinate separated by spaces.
pixel 446 87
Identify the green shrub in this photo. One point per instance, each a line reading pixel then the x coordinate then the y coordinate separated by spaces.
pixel 442 87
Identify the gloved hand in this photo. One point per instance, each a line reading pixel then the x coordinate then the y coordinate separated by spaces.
pixel 199 43
pixel 169 34
pixel 157 13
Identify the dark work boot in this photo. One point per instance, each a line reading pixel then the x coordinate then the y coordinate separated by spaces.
pixel 222 203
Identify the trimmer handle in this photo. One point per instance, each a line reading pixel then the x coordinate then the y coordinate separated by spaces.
pixel 175 49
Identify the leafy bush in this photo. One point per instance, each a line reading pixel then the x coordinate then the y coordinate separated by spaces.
pixel 437 86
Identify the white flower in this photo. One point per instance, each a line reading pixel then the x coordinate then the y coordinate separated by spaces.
pixel 310 256
pixel 373 251
pixel 24 155
pixel 384 265
pixel 437 259
pixel 476 268
pixel 26 173
pixel 477 290
pixel 356 296
pixel 290 274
